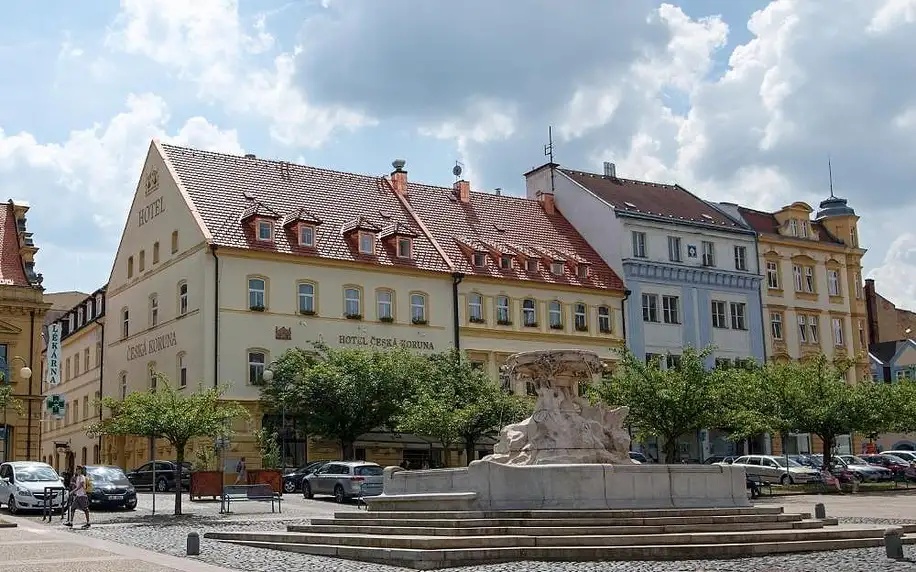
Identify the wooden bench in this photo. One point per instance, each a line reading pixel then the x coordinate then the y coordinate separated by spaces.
pixel 241 493
pixel 755 484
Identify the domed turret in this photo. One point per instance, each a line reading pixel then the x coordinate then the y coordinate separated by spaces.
pixel 834 206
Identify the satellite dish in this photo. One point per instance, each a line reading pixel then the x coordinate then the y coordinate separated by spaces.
pixel 456 170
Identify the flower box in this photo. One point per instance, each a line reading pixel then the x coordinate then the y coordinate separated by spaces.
pixel 531 325
pixel 581 328
pixel 256 308
pixel 206 484
pixel 418 322
pixel 504 322
pixel 271 477
pixel 386 319
pixel 477 321
pixel 307 312
pixel 556 326
pixel 353 316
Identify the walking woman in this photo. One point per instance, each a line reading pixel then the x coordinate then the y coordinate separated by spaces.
pixel 80 500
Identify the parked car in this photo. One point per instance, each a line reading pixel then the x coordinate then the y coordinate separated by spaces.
pixel 143 476
pixel 868 471
pixel 773 469
pixel 22 485
pixel 719 460
pixel 898 466
pixel 639 457
pixel 905 455
pixel 344 480
pixel 111 487
pixel 292 481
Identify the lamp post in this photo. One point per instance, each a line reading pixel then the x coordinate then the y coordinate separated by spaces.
pixel 26 374
pixel 268 376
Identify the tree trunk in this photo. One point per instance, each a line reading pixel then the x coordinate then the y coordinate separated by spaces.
pixel 469 449
pixel 446 453
pixel 179 457
pixel 347 449
pixel 828 448
pixel 670 450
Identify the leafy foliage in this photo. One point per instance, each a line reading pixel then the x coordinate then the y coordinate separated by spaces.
pixel 268 447
pixel 7 398
pixel 169 414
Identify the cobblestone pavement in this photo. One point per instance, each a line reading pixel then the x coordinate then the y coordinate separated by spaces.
pixel 167 535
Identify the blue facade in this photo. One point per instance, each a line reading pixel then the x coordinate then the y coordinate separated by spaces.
pixel 886 361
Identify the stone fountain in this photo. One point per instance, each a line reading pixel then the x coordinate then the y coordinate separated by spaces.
pixel 568 455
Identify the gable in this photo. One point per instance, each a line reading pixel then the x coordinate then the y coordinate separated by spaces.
pixel 7 329
pixel 906 357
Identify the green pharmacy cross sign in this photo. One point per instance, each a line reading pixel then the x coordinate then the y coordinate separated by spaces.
pixel 57 405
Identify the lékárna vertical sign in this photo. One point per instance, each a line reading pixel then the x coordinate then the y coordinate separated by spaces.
pixel 54 332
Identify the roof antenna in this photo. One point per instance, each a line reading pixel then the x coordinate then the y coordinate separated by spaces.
pixel 830 173
pixel 456 170
pixel 548 151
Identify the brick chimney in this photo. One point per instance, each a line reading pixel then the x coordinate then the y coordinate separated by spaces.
pixel 399 177
pixel 546 200
pixel 462 190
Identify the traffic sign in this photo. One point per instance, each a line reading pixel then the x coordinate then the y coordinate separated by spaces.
pixel 56 405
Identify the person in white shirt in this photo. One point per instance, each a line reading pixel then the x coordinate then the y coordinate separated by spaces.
pixel 80 498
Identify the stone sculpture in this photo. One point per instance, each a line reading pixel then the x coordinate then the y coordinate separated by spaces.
pixel 564 428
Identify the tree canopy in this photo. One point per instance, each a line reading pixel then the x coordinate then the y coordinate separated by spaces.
pixel 170 414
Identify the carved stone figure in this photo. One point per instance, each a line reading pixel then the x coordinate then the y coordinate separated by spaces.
pixel 564 428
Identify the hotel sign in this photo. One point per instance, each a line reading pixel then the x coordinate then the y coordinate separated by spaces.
pixel 151 346
pixel 53 358
pixel 150 211
pixel 376 342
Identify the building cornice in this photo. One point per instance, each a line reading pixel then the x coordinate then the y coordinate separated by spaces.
pixel 688 223
pixel 677 274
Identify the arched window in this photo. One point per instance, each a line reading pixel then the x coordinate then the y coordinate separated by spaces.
pixel 581 317
pixel 257 294
pixel 475 308
pixel 306 298
pixel 418 308
pixel 257 360
pixel 604 319
pixel 182 298
pixel 529 313
pixel 353 303
pixel 122 385
pixel 555 315
pixel 384 301
pixel 182 369
pixel 154 310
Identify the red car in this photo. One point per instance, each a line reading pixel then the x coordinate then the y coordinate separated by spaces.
pixel 896 464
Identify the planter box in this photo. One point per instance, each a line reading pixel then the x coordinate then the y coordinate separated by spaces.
pixel 206 484
pixel 271 477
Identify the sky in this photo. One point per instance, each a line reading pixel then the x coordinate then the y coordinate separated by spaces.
pixel 740 101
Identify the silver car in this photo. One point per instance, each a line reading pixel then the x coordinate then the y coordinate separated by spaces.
pixel 23 485
pixel 344 480
pixel 773 469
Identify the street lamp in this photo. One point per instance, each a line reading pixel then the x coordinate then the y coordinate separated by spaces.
pixel 268 376
pixel 26 374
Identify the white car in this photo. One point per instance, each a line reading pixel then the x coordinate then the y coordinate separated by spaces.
pixel 23 484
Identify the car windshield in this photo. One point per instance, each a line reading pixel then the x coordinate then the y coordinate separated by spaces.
pixel 36 474
pixel 781 461
pixel 111 475
pixel 895 459
pixel 904 455
pixel 853 460
pixel 369 471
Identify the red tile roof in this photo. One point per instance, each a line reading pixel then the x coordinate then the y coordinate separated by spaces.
pixel 12 271
pixel 766 223
pixel 225 188
pixel 507 225
pixel 657 199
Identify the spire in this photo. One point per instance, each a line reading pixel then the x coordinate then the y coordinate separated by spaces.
pixel 833 205
pixel 830 174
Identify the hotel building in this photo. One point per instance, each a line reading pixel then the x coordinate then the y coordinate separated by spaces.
pixel 226 262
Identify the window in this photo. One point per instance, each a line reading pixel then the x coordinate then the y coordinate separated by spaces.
pixel 366 243
pixel 182 298
pixel 153 375
pixel 652 359
pixel 557 268
pixel 257 289
pixel 604 319
pixel 66 370
pixel 130 266
pixel 475 308
pixel 86 359
pixel 418 308
pixel 776 325
pixel 90 310
pixel 480 259
pixel 837 332
pixel 265 230
pixel 674 248
pixel 142 260
pixel 505 262
pixel 740 258
pixel 122 385
pixel 529 313
pixel 739 315
pixel 854 237
pixel 583 271
pixel 531 265
pixel 174 241
pixel 793 227
pixel 98 354
pixel 80 317
pixel 405 248
pixel 306 235
pixel 85 407
pixel 650 308
pixel 858 286
pixel 797 273
pixel 809 280
pixel 555 314
pixel 672 361
pixel 902 374
pixel 256 361
pixel 804 229
pixel 723 363
pixel 671 310
pixel 384 301
pixel 718 314
pixel 95 404
pixel 502 310
pixel 581 317
pixel 71 323
pixel 709 253
pixel 125 323
pixel 862 334
pixel 812 329
pixel 639 244
pixel 76 365
pixel 352 302
pixel 153 311
pixel 802 329
pixel 156 252
pixel 772 275
pixel 306 295
pixel 833 282
pixel 182 370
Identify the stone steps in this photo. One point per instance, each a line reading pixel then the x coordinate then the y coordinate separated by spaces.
pixel 553 514
pixel 446 558
pixel 370 520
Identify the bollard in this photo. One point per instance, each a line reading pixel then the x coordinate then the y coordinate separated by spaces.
pixel 820 512
pixel 893 542
pixel 193 544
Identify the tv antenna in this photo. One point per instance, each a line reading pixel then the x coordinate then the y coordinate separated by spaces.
pixel 456 170
pixel 830 174
pixel 548 151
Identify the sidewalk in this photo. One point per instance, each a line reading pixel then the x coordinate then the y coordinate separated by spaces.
pixel 42 547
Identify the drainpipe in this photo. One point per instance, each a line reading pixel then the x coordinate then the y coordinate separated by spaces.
pixel 763 323
pixel 101 378
pixel 457 277
pixel 213 248
pixel 623 314
pixel 28 431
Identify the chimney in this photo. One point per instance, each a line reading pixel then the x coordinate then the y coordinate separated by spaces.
pixel 610 169
pixel 546 200
pixel 250 156
pixel 399 177
pixel 462 190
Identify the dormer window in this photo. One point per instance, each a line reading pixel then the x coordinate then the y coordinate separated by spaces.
pixel 582 271
pixel 265 230
pixel 480 259
pixel 80 316
pixel 505 262
pixel 366 243
pixel 405 248
pixel 306 235
pixel 793 227
pixel 557 268
pixel 804 229
pixel 531 265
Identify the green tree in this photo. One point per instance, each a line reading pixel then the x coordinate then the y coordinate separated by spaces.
pixel 342 393
pixel 166 413
pixel 667 403
pixel 455 402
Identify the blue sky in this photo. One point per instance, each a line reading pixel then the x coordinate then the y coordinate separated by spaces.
pixel 738 101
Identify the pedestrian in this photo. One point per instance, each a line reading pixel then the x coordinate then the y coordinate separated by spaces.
pixel 80 500
pixel 241 472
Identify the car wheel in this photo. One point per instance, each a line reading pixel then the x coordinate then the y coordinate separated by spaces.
pixel 289 486
pixel 162 485
pixel 786 480
pixel 307 490
pixel 339 496
pixel 14 508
